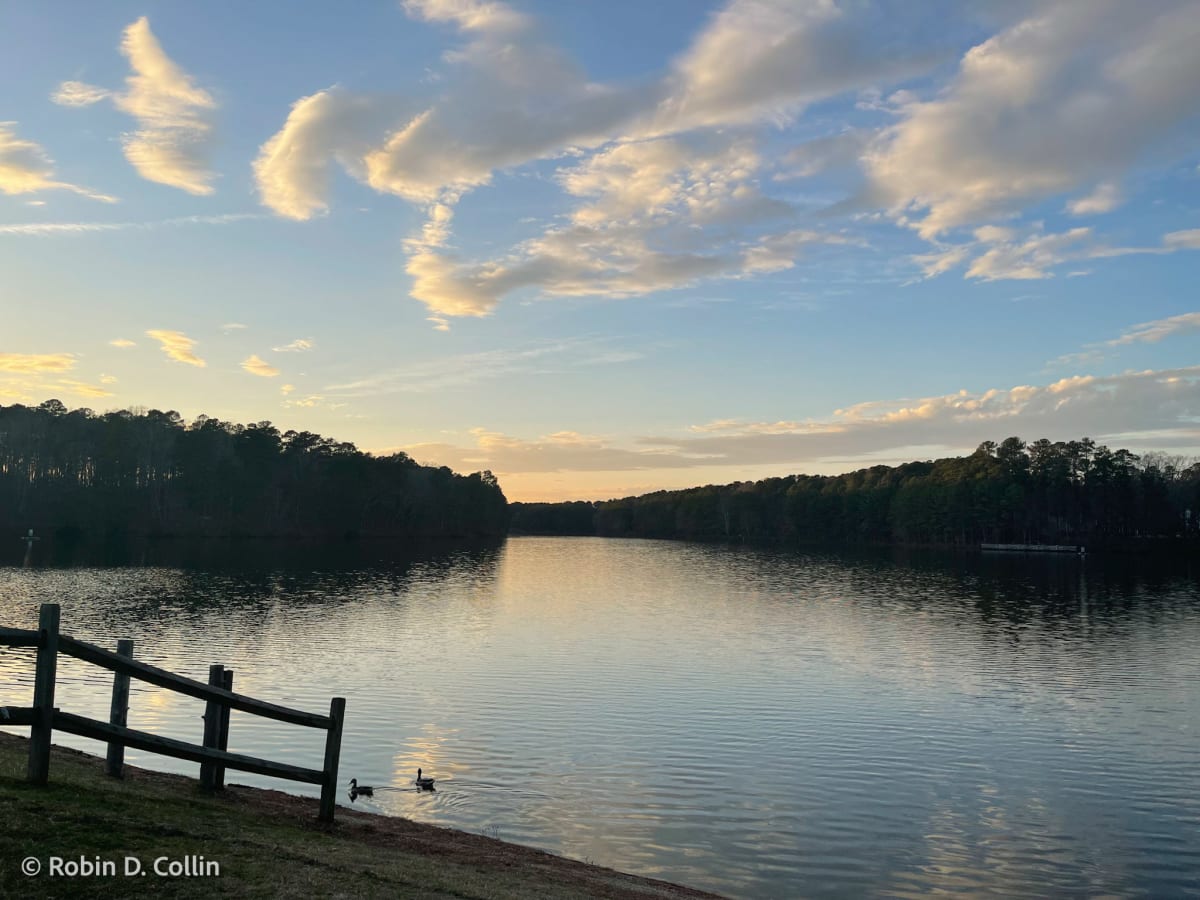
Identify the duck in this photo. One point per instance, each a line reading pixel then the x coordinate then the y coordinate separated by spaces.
pixel 360 790
pixel 424 783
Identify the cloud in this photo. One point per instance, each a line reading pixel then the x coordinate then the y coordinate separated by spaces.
pixel 1143 333
pixel 1066 99
pixel 122 343
pixel 1000 254
pixel 504 453
pixel 1029 259
pixel 292 168
pixel 765 59
pixel 233 326
pixel 822 154
pixel 463 370
pixel 651 215
pixel 25 385
pixel 1153 332
pixel 510 98
pixel 297 346
pixel 656 162
pixel 1105 198
pixel 580 261
pixel 178 346
pixel 77 93
pixel 173 142
pixel 108 379
pixel 26 169
pixel 286 389
pixel 83 389
pixel 1162 403
pixel 668 179
pixel 256 366
pixel 313 401
pixel 470 15
pixel 49 229
pixel 934 264
pixel 36 363
pixel 1183 240
pixel 514 98
pixel 1165 400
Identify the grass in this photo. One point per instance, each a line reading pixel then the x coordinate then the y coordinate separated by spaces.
pixel 268 844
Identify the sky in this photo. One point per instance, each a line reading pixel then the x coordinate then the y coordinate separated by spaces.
pixel 604 248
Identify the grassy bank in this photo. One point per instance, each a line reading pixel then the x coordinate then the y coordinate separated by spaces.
pixel 267 844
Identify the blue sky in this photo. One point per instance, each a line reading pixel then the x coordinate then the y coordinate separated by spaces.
pixel 603 248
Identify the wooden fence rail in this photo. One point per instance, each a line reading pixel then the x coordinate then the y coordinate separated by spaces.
pixel 213 755
pixel 18 637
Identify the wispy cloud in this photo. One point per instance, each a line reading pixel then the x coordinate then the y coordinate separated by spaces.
pixel 1164 403
pixel 260 367
pixel 36 363
pixel 83 389
pixel 50 229
pixel 1000 254
pixel 122 343
pixel 466 369
pixel 25 168
pixel 1183 240
pixel 1153 332
pixel 1030 259
pixel 78 93
pixel 173 141
pixel 177 346
pixel 488 16
pixel 297 346
pixel 1143 333
pixel 314 401
pixel 1105 198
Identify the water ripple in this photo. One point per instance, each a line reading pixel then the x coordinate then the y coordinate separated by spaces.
pixel 757 723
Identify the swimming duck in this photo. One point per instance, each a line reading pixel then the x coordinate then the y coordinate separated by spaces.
pixel 426 783
pixel 360 790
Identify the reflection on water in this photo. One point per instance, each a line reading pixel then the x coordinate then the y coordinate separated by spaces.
pixel 759 723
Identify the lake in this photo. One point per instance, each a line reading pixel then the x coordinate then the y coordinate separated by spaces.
pixel 756 722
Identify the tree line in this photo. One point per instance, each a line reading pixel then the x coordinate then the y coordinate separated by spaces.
pixel 1043 492
pixel 147 472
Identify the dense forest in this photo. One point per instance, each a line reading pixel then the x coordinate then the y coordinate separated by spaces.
pixel 149 473
pixel 1074 492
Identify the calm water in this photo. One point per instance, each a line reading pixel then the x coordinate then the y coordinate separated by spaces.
pixel 758 723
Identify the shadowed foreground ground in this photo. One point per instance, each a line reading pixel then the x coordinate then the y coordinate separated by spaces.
pixel 268 843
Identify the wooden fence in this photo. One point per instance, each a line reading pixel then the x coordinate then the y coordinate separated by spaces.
pixel 43 717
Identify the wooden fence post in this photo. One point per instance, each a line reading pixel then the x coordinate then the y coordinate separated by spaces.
pixel 118 713
pixel 223 737
pixel 43 693
pixel 212 728
pixel 333 751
